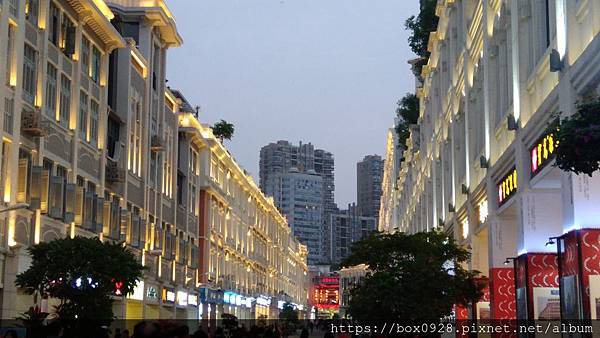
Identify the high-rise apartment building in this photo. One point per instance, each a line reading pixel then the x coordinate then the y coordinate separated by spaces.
pixel 369 175
pixel 299 197
pixel 347 227
pixel 280 157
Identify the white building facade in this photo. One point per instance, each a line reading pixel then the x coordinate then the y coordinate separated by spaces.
pixel 479 166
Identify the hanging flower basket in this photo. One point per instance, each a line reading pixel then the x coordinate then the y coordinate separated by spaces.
pixel 579 138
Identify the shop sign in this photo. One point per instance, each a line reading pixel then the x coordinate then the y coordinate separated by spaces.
pixel 229 297
pixel 507 187
pixel 138 291
pixel 208 295
pixel 248 302
pixel 542 152
pixel 193 300
pixel 330 280
pixel 151 293
pixel 168 296
pixel 182 298
pixel 263 301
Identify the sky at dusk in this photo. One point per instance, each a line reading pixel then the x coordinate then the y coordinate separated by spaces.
pixel 327 72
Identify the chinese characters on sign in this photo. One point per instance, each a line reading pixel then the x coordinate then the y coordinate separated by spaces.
pixel 542 153
pixel 507 186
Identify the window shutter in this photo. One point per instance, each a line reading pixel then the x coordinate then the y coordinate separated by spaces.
pixel 70 199
pixel 35 194
pixel 185 252
pixel 88 210
pixel 57 197
pixel 98 214
pixel 194 258
pixel 158 237
pixel 79 199
pixel 135 231
pixel 124 234
pixel 143 233
pixel 45 190
pixel 173 246
pixel 115 220
pixel 106 218
pixel 22 180
pixel 70 41
pixel 168 244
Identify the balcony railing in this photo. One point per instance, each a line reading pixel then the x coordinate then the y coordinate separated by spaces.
pixel 157 144
pixel 32 122
pixel 114 173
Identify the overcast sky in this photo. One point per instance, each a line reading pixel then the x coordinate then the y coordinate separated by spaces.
pixel 327 72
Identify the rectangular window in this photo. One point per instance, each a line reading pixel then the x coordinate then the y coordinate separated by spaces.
pixel 96 60
pixel 4 178
pixel 94 112
pixel 85 56
pixel 67 36
pixel 153 160
pixel 83 115
pixel 9 108
pixel 13 7
pixel 54 24
pixel 31 10
pixel 10 51
pixel 23 176
pixel 29 74
pixel 65 100
pixel 194 162
pixel 180 189
pixel 112 136
pixel 194 205
pixel 135 135
pixel 51 80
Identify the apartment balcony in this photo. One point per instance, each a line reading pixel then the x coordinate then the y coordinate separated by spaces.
pixel 32 122
pixel 157 144
pixel 114 173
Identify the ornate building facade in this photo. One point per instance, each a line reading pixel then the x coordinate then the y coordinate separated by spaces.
pixel 479 165
pixel 95 144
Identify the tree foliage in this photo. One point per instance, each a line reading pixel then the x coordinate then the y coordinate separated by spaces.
pixel 579 138
pixel 223 130
pixel 413 277
pixel 408 113
pixel 420 26
pixel 83 273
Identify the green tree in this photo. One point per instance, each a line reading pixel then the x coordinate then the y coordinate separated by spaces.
pixel 577 138
pixel 223 130
pixel 415 277
pixel 83 274
pixel 420 26
pixel 408 113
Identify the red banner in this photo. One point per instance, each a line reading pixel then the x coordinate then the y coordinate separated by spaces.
pixel 502 293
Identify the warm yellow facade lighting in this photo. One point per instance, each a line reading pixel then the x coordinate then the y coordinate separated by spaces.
pixel 139 64
pixel 101 5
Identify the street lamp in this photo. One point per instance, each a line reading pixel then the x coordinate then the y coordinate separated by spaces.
pixel 551 240
pixel 17 206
